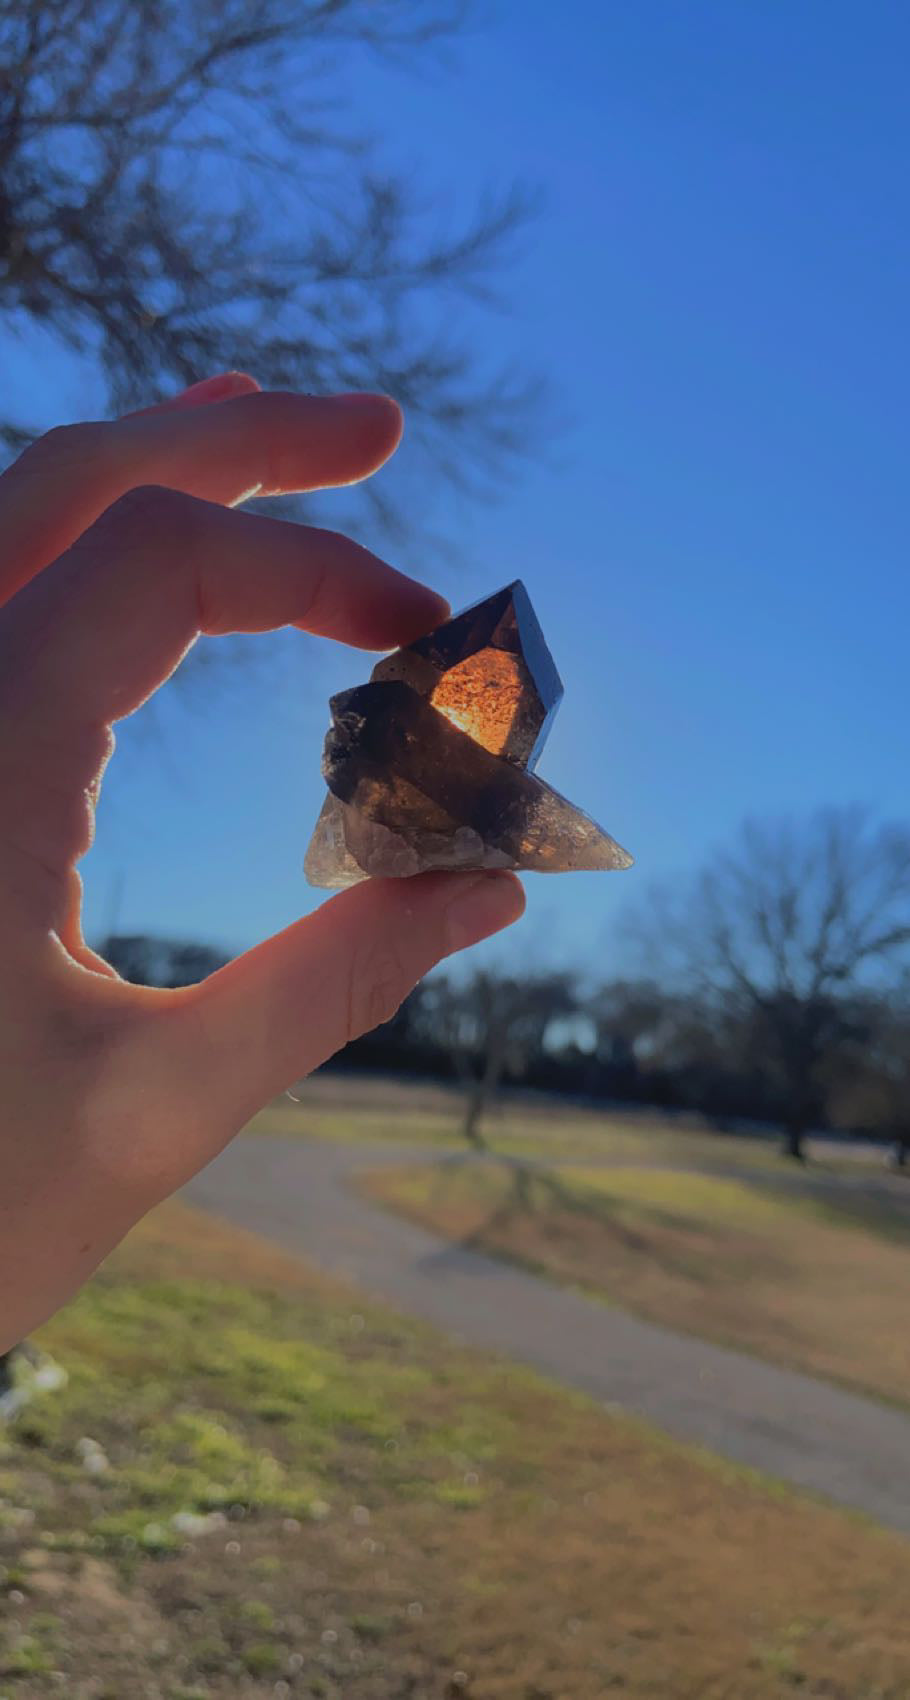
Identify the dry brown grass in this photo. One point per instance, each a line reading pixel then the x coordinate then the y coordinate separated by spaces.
pixel 797 1280
pixel 514 1543
pixel 362 1108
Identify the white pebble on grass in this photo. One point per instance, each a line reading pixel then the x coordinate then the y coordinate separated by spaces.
pixel 197 1522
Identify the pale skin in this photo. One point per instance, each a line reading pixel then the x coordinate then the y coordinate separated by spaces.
pixel 119 544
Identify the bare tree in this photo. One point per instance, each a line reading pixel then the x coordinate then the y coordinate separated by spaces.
pixel 772 934
pixel 182 190
pixel 492 1023
pixel 872 1083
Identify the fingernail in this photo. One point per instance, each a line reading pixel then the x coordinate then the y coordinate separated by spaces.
pixel 491 902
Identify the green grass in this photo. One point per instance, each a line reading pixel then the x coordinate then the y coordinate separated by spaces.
pixel 391 1516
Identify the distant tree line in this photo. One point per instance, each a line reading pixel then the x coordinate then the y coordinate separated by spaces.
pixel 147 961
pixel 638 1044
pixel 774 988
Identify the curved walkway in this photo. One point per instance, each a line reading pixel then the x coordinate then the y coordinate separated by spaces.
pixel 806 1432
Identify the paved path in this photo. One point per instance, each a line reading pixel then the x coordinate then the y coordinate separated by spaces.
pixel 808 1433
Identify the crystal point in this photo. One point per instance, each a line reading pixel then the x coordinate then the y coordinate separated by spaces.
pixel 489 671
pixel 429 766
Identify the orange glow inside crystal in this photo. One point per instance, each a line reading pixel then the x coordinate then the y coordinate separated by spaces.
pixel 483 697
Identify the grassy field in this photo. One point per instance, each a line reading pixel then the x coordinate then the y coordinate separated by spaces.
pixel 365 1511
pixel 366 1108
pixel 817 1283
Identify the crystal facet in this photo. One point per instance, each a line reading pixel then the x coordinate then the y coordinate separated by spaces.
pixel 429 766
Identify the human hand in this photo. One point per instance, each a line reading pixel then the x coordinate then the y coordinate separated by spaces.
pixel 118 546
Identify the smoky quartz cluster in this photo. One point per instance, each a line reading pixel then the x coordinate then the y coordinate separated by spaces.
pixel 431 764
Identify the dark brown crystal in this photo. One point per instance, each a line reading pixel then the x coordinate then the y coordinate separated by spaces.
pixel 429 765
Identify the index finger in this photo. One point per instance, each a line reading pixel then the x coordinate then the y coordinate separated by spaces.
pixel 267 443
pixel 88 641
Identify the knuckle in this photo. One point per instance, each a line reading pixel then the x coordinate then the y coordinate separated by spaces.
pixel 321 598
pixel 277 448
pixel 378 983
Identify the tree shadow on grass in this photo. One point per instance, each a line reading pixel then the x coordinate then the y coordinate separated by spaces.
pixel 874 1205
pixel 534 1190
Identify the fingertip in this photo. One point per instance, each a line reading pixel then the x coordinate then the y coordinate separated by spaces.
pixel 241 383
pixel 456 910
pixel 491 902
pixel 377 423
pixel 223 386
pixel 438 605
pixel 364 601
pixel 425 609
pixel 378 401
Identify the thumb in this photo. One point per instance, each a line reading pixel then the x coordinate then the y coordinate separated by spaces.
pixel 274 1014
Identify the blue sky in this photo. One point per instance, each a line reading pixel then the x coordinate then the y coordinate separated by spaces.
pixel 716 543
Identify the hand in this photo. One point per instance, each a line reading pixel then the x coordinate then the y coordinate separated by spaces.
pixel 118 547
